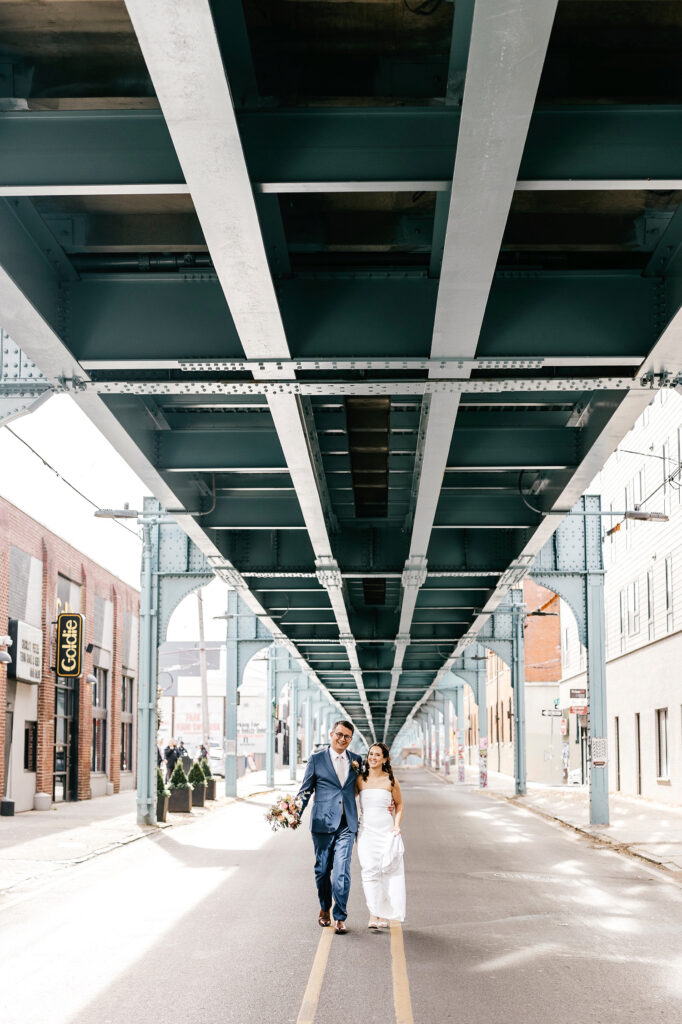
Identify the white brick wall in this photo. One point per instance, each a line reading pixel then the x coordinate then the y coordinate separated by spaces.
pixel 643 602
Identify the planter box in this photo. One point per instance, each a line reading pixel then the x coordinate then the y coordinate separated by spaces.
pixel 210 789
pixel 162 807
pixel 180 801
pixel 199 796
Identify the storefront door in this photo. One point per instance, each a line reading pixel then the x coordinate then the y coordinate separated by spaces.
pixel 66 741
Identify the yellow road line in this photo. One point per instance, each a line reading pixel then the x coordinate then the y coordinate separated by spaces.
pixel 306 1015
pixel 401 986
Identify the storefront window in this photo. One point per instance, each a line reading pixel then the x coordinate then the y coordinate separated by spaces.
pixel 99 721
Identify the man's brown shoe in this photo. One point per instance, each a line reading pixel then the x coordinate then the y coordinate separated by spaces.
pixel 340 928
pixel 324 920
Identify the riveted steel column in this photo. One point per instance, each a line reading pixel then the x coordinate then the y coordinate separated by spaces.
pixel 518 679
pixel 231 698
pixel 446 731
pixel 436 726
pixel 482 729
pixel 270 717
pixel 459 711
pixel 308 736
pixel 293 728
pixel 596 682
pixel 146 705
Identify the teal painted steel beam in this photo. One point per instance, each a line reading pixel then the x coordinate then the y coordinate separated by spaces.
pixel 220 451
pixel 131 318
pixel 255 512
pixel 489 448
pixel 59 150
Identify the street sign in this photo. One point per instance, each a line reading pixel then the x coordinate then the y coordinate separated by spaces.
pixel 578 694
pixel 69 644
pixel 552 712
pixel 563 726
pixel 579 709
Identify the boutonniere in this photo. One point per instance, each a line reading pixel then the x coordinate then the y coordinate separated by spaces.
pixel 355 765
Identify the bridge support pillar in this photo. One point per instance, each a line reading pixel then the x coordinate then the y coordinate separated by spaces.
pixel 293 728
pixel 270 717
pixel 246 635
pixel 459 711
pixel 596 681
pixel 436 728
pixel 446 732
pixel 518 679
pixel 571 564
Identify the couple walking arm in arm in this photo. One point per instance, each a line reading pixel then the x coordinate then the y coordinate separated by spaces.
pixel 335 775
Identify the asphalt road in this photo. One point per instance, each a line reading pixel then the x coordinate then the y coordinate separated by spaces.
pixel 510 919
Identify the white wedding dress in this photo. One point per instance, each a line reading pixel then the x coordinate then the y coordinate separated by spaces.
pixel 381 856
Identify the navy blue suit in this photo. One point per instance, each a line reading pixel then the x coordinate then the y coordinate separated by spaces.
pixel 334 826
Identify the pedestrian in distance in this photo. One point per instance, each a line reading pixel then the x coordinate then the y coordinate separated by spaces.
pixel 331 775
pixel 171 754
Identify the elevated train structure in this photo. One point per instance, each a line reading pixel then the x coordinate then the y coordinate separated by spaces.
pixel 366 292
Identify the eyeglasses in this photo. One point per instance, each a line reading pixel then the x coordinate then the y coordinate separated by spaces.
pixel 343 736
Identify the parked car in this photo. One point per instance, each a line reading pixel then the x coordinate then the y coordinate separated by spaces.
pixel 216 759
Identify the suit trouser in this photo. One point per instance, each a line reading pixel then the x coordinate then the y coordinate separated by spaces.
pixel 333 852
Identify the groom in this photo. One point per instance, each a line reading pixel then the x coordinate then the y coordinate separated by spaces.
pixel 331 775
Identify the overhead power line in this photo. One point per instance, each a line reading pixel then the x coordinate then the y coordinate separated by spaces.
pixel 64 480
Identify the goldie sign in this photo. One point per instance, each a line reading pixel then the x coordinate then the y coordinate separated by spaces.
pixel 69 644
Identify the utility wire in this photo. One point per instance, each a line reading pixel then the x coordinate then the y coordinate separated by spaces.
pixel 64 480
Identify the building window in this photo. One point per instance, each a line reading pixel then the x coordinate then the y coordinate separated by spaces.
pixel 99 721
pixel 662 743
pixel 30 746
pixel 633 608
pixel 501 713
pixel 665 453
pixel 510 716
pixel 127 698
pixel 617 744
pixel 623 619
pixel 669 593
pixel 651 627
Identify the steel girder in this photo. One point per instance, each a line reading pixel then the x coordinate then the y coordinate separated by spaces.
pixel 131 151
pixel 125 320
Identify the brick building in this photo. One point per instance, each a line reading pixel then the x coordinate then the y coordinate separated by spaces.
pixel 545 742
pixel 71 738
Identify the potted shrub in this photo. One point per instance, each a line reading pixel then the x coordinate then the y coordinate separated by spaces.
pixel 210 780
pixel 162 795
pixel 198 782
pixel 180 791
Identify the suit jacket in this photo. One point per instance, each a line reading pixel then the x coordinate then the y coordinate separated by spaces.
pixel 331 799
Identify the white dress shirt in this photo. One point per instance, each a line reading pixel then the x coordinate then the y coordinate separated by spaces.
pixel 341 764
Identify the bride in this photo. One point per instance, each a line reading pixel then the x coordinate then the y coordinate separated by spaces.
pixel 380 846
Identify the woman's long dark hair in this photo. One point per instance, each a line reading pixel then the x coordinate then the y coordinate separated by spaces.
pixel 386 766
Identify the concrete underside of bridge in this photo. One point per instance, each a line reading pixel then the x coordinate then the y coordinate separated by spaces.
pixel 366 292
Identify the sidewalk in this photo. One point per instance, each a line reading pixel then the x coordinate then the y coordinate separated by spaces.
pixel 35 844
pixel 641 828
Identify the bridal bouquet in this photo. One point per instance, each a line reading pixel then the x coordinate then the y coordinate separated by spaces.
pixel 285 812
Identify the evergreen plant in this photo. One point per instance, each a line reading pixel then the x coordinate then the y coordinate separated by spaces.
pixel 196 775
pixel 206 768
pixel 178 779
pixel 161 788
